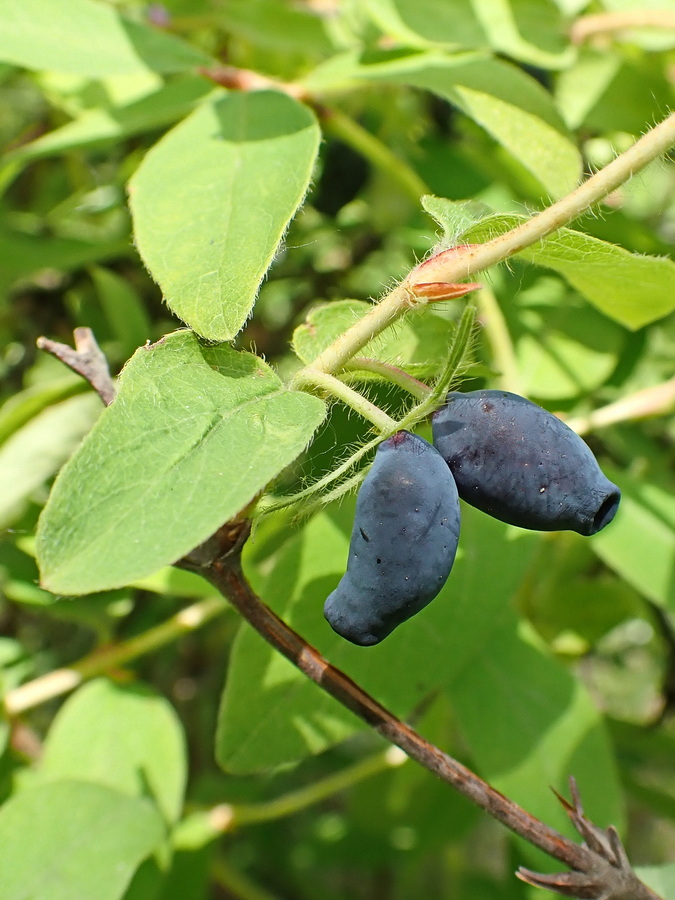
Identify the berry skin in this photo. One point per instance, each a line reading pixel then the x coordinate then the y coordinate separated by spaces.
pixel 519 463
pixel 403 542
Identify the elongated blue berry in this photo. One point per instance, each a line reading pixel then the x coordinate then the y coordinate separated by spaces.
pixel 403 542
pixel 521 464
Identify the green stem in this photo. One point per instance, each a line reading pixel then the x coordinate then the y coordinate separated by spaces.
pixel 349 484
pixel 499 338
pixel 333 386
pixel 391 373
pixel 433 398
pixel 658 400
pixel 374 150
pixel 460 265
pixel 199 828
pixel 453 364
pixel 61 681
pixel 295 801
pixel 265 507
pixel 237 884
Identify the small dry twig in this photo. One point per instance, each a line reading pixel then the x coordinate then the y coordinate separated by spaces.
pixel 613 878
pixel 87 359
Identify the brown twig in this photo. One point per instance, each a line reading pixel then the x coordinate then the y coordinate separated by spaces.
pixel 593 869
pixel 607 847
pixel 247 80
pixel 87 359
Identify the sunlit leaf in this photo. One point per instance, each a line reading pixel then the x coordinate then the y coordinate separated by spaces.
pixel 212 199
pixel 88 38
pixel 194 433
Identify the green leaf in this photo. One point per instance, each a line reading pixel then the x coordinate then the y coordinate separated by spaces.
pixel 419 24
pixel 121 736
pixel 282 27
pixel 418 344
pixel 113 123
pixel 88 38
pixel 581 87
pixel 124 310
pixel 37 450
pixel 193 435
pixel 660 878
pixel 16 411
pixel 454 217
pixel 272 714
pixel 640 543
pixel 633 290
pixel 564 346
pixel 72 839
pixel 212 199
pixel 530 30
pixel 25 255
pixel 510 105
pixel 530 725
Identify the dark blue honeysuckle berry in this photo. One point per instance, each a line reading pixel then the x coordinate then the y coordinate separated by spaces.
pixel 403 542
pixel 521 464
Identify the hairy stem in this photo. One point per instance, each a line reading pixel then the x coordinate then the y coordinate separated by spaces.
pixel 334 387
pixel 62 681
pixel 452 366
pixel 391 373
pixel 459 266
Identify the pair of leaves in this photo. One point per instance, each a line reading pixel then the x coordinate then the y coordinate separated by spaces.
pixel 419 344
pixel 114 769
pixel 212 199
pixel 531 31
pixel 510 105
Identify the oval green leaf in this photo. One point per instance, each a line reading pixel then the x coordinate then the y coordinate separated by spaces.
pixel 633 290
pixel 122 736
pixel 212 200
pixel 193 435
pixel 73 839
pixel 88 38
pixel 532 31
pixel 418 344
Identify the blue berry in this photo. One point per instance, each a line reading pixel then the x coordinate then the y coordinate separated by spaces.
pixel 521 464
pixel 403 542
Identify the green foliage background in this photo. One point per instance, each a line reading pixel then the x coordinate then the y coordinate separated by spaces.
pixel 137 197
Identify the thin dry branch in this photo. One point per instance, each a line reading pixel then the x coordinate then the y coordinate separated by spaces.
pixel 595 873
pixel 87 359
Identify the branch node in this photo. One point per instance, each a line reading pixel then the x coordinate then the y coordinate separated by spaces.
pixel 87 359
